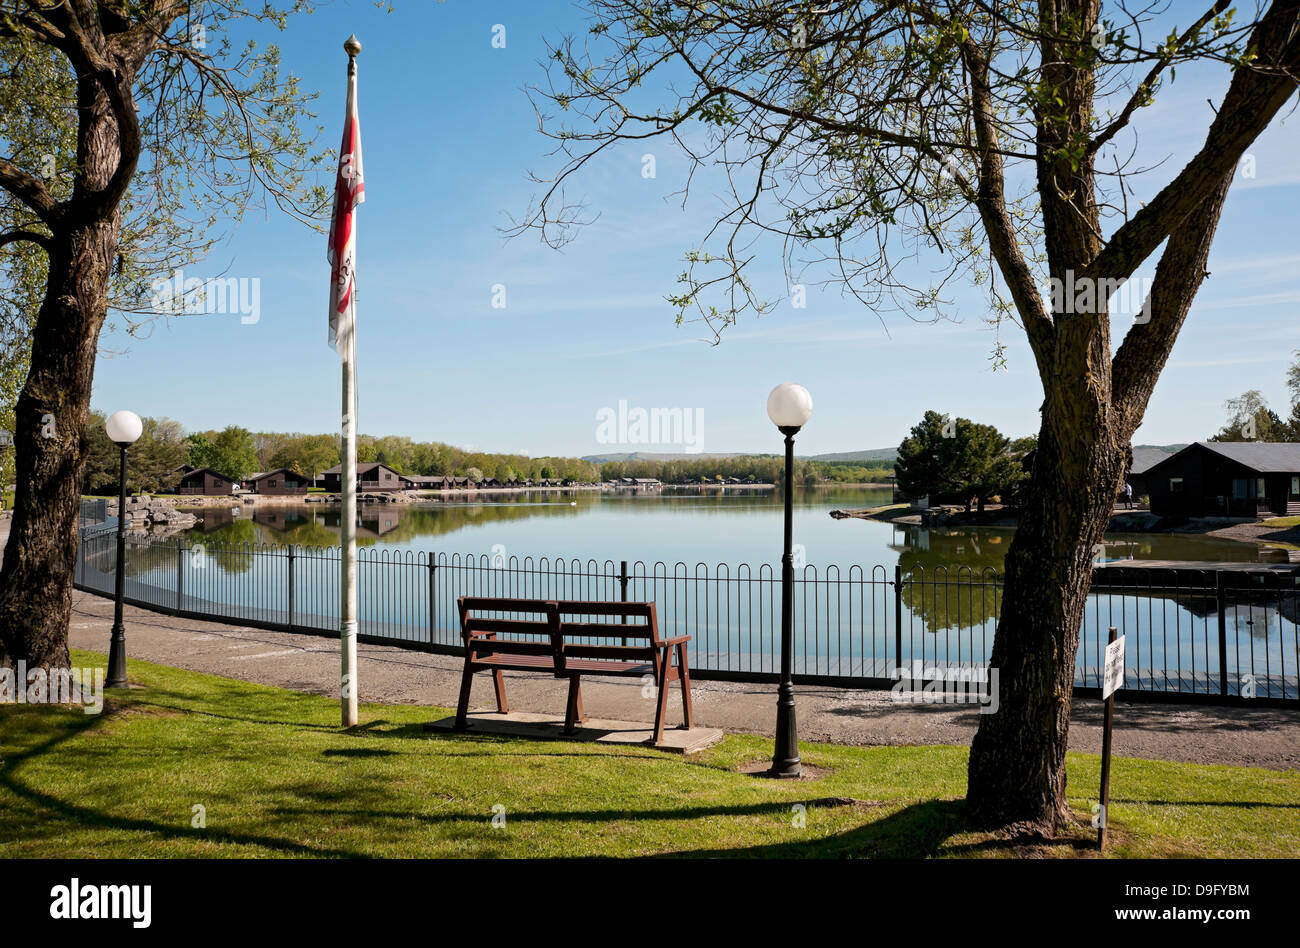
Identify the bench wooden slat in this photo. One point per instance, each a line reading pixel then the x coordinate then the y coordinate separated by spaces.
pixel 503 604
pixel 593 607
pixel 601 630
pixel 511 626
pixel 624 652
pixel 512 647
pixel 522 662
pixel 608 667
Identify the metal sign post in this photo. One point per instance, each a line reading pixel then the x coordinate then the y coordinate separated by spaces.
pixel 1112 681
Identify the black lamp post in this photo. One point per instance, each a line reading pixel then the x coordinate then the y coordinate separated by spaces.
pixel 124 430
pixel 789 406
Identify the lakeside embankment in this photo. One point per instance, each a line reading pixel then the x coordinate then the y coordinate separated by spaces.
pixel 1282 533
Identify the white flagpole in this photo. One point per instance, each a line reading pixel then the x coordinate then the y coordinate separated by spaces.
pixel 348 612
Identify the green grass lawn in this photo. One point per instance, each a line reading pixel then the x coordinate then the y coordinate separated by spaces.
pixel 1282 522
pixel 277 777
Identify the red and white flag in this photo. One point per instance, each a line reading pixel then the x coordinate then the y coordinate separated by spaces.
pixel 349 191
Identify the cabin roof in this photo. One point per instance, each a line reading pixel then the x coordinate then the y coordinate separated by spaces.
pixel 278 470
pixel 1263 457
pixel 1144 459
pixel 365 468
pixel 206 470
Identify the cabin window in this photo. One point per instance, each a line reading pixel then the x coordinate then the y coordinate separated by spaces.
pixel 1295 487
pixel 1175 485
pixel 1260 490
pixel 270 483
pixel 1241 489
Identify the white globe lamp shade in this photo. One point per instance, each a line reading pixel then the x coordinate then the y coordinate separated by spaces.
pixel 789 405
pixel 124 427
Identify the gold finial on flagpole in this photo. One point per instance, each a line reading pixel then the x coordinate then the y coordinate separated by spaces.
pixel 352 46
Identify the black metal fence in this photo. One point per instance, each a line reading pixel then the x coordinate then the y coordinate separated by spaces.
pixel 1197 633
pixel 94 513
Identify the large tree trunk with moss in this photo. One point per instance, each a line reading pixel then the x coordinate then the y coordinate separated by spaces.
pixel 38 570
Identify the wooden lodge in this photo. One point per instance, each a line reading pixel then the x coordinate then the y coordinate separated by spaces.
pixel 374 476
pixel 1253 479
pixel 1144 459
pixel 279 482
pixel 205 481
pixel 423 482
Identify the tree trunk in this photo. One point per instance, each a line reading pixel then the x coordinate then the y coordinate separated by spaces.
pixel 40 557
pixel 1017 759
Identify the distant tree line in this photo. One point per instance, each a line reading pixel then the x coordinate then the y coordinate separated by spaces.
pixel 956 460
pixel 749 468
pixel 154 460
pixel 753 469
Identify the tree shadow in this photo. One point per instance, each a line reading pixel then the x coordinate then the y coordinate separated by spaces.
pixel 1243 804
pixel 357 752
pixel 51 806
pixel 917 831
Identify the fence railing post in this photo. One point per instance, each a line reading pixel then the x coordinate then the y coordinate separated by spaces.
pixel 432 599
pixel 1221 607
pixel 180 576
pixel 622 590
pixel 898 616
pixel 291 559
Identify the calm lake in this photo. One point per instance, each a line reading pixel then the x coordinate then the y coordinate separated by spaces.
pixel 711 562
pixel 712 527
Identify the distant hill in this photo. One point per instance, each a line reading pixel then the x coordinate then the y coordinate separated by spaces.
pixel 866 456
pixel 1167 448
pixel 887 455
pixel 651 456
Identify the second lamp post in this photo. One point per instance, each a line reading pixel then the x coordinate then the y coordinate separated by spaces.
pixel 124 429
pixel 789 406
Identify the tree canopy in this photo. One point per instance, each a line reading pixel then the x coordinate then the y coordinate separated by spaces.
pixel 958 460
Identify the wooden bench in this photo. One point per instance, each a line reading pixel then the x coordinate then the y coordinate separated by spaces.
pixel 570 639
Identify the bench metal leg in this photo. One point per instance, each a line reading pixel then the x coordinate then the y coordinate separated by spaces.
pixel 462 705
pixel 684 676
pixel 499 681
pixel 573 711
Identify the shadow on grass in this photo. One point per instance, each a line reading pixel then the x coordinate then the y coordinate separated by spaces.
pixel 914 832
pixel 917 831
pixel 51 806
pixel 1244 804
pixel 357 752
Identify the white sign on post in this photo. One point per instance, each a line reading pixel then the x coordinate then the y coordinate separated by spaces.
pixel 1113 676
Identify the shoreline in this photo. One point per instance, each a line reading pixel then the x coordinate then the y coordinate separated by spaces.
pixel 205 501
pixel 1264 535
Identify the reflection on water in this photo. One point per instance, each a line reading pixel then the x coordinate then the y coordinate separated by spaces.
pixel 711 527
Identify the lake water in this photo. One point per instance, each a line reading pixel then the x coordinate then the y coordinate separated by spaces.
pixel 711 562
pixel 711 527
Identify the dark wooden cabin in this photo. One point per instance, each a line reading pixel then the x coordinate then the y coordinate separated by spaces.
pixel 204 480
pixel 279 482
pixel 374 476
pixel 1144 459
pixel 1253 479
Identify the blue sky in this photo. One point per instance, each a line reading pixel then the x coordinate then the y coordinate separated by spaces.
pixel 449 138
